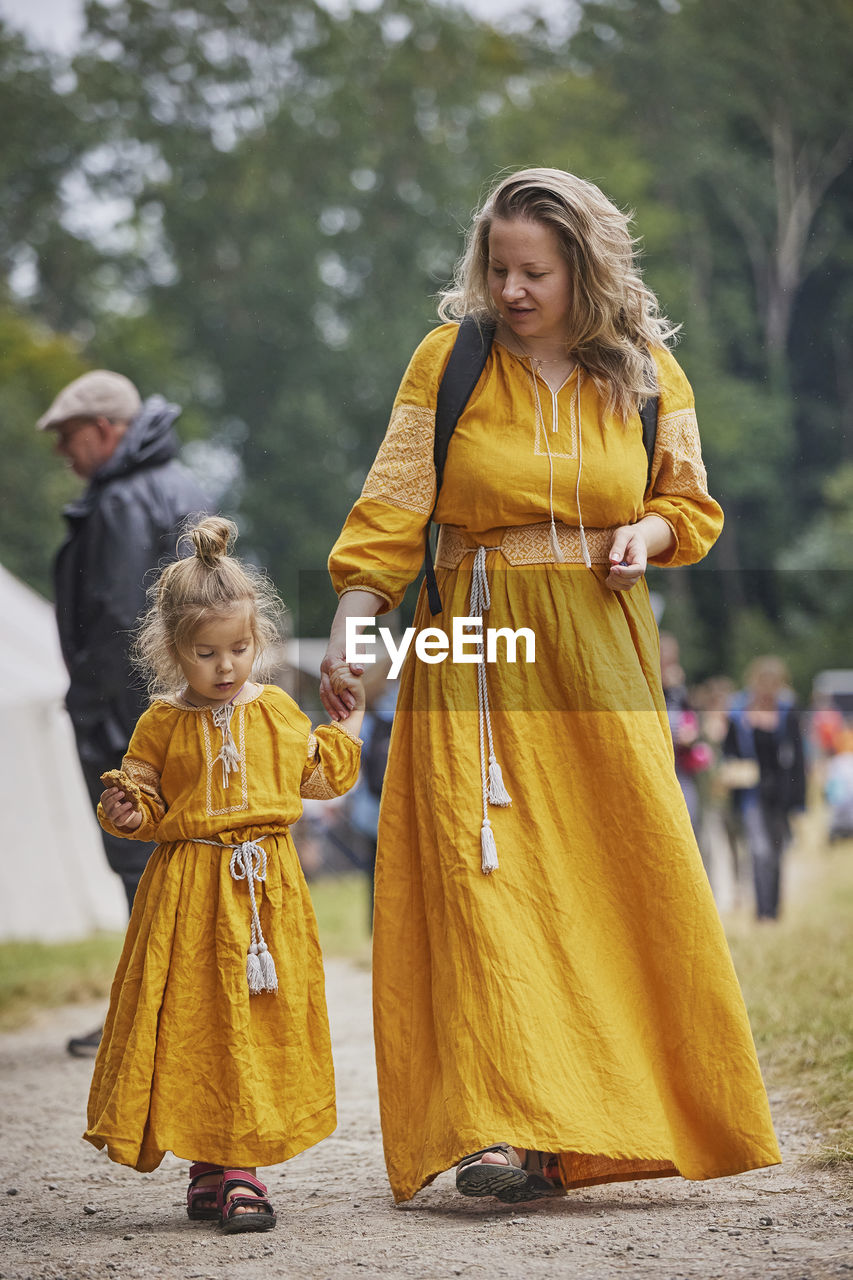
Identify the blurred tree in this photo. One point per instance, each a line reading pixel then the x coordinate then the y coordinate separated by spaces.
pixel 34 486
pixel 301 179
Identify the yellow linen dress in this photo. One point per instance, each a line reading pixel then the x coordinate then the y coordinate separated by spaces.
pixel 189 1061
pixel 581 999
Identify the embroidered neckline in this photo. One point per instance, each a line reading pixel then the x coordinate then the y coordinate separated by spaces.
pixel 249 693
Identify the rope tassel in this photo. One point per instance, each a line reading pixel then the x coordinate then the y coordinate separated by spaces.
pixel 488 848
pixel 229 755
pixel 494 791
pixel 498 794
pixel 249 863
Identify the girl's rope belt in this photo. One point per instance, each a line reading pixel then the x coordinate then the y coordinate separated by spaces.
pixel 249 863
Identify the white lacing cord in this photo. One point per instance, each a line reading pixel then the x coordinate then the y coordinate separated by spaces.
pixel 494 791
pixel 229 755
pixel 555 544
pixel 249 863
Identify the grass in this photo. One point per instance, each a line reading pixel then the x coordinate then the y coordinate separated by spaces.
pixel 42 975
pixel 38 975
pixel 796 979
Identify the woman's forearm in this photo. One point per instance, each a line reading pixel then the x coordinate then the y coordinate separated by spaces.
pixel 657 534
pixel 353 604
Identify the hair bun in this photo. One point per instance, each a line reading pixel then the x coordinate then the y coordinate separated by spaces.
pixel 212 538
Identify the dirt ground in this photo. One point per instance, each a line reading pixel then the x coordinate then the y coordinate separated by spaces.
pixel 69 1214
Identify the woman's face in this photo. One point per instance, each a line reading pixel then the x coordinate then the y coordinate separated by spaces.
pixel 529 278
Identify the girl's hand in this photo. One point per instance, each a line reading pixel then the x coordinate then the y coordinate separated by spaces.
pixel 347 686
pixel 335 694
pixel 628 558
pixel 119 810
pixel 352 604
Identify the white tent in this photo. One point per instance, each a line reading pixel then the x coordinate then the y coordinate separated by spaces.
pixel 54 879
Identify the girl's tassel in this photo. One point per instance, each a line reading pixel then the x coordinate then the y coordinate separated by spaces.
pixel 498 793
pixel 254 973
pixel 587 558
pixel 268 972
pixel 488 848
pixel 556 549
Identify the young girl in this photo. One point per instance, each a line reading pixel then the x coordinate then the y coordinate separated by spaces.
pixel 216 1044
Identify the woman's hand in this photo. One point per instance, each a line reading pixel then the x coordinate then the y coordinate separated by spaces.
pixel 630 550
pixel 119 810
pixel 354 604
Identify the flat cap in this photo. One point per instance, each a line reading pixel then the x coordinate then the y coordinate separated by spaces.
pixel 100 393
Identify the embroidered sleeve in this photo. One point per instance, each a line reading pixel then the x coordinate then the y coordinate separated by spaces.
pixel 403 473
pixel 381 546
pixel 143 764
pixel 332 763
pixel 679 491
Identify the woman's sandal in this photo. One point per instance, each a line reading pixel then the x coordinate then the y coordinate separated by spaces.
pixel 203 1201
pixel 261 1216
pixel 536 1176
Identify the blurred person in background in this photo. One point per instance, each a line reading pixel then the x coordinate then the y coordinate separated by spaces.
pixel 765 742
pixel 692 755
pixel 126 521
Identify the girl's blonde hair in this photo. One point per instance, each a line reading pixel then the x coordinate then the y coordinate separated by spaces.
pixel 614 318
pixel 196 587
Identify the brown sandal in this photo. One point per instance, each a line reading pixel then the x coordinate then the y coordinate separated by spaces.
pixel 537 1176
pixel 473 1178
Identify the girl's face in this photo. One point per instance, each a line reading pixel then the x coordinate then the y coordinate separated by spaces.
pixel 529 279
pixel 220 658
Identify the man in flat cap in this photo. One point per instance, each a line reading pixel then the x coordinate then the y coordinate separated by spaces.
pixel 125 523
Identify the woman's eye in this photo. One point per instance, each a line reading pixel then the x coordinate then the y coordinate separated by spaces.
pixel 498 271
pixel 535 275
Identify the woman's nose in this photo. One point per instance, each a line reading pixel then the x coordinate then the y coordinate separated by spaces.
pixel 513 287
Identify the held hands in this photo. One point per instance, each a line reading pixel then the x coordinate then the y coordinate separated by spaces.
pixel 341 685
pixel 345 690
pixel 119 810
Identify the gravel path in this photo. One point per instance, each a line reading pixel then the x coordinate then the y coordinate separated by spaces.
pixel 69 1214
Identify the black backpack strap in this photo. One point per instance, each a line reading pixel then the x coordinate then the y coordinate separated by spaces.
pixel 467 361
pixel 649 420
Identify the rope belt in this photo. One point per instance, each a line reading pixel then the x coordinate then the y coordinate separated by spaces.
pixel 249 863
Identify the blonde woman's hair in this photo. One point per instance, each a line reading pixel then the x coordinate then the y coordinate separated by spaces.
pixel 614 318
pixel 201 585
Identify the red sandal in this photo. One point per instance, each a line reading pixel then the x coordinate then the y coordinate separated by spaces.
pixel 203 1202
pixel 263 1218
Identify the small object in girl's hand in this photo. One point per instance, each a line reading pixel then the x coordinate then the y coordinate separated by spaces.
pixel 118 778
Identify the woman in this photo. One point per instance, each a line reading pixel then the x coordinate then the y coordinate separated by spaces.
pixel 764 728
pixel 576 1010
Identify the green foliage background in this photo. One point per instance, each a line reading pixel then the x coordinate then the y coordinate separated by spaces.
pixel 251 207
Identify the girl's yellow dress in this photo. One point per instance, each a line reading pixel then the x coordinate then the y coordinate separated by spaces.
pixel 189 1061
pixel 581 998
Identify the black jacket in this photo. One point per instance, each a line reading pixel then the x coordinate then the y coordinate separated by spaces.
pixel 122 527
pixel 780 757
